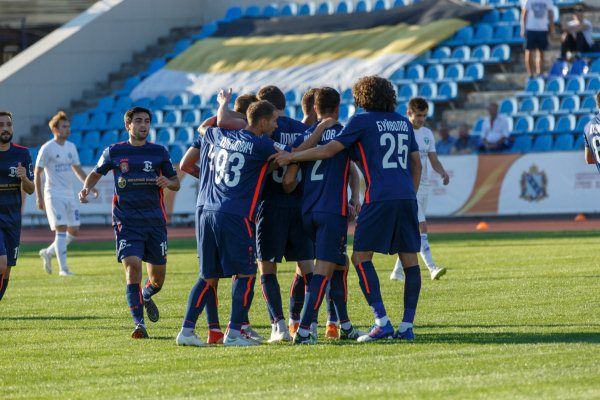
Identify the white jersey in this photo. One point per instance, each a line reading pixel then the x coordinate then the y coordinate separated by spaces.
pixel 57 161
pixel 426 143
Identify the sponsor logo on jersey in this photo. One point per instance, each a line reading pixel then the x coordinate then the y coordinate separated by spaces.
pixel 534 184
pixel 124 166
pixel 147 166
pixel 13 172
pixel 121 182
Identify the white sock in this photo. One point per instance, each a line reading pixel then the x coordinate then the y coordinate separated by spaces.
pixel 233 333
pixel 404 326
pixel 332 323
pixel 303 332
pixel 70 238
pixel 51 250
pixel 426 252
pixel 382 321
pixel 244 327
pixel 346 326
pixel 313 327
pixel 61 250
pixel 281 326
pixel 187 332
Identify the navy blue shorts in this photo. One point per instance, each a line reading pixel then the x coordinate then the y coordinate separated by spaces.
pixel 9 245
pixel 148 243
pixel 226 245
pixel 279 233
pixel 536 40
pixel 329 232
pixel 388 227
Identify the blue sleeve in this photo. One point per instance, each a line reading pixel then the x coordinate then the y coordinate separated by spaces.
pixel 27 163
pixel 197 143
pixel 413 146
pixel 266 147
pixel 351 133
pixel 299 140
pixel 104 163
pixel 166 166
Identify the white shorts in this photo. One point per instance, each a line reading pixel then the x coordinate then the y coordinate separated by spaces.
pixel 422 197
pixel 62 211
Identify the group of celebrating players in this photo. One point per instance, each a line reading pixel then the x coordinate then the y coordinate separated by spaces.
pixel 269 187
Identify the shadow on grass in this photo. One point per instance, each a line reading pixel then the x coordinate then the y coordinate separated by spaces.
pixel 52 318
pixel 511 337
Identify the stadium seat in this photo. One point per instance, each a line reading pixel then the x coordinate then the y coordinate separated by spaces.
pixel 362 6
pixel 447 91
pixel 108 138
pixel 554 86
pixel 462 36
pixel 123 136
pixel 522 144
pixel 523 124
pixel 252 11
pixel 181 46
pixel 191 117
pixel 559 68
pixel 381 5
pixel 271 10
pixel 290 112
pixel 459 54
pixel 184 135
pixel 594 67
pixel 400 3
pixel 143 102
pixel 529 105
pixel 75 137
pixel 407 91
pixel 344 7
pixel 549 105
pixel 165 136
pixel 578 68
pixel 415 73
pixel 483 34
pixel 176 152
pixel 439 54
pixel 289 10
pixel 568 105
pixel 92 139
pixel 123 103
pixel 325 8
pixel 115 121
pixel 588 105
pixel 233 13
pixel 157 117
pixel 207 30
pixel 477 126
pixel 172 118
pixel 480 53
pixel 428 90
pixel 534 86
pixel 106 104
pixel 502 34
pixel 579 143
pixel 474 73
pixel 565 124
pixel 346 110
pixel 542 143
pixel 159 102
pixel 97 121
pixel 564 142
pixel 292 97
pixel 402 108
pixel 86 156
pixel 593 86
pixel 544 124
pixel 511 16
pixel 575 85
pixel 454 73
pixel 306 9
pixel 397 75
pixel 491 17
pixel 347 96
pixel 434 73
pixel 582 122
pixel 79 120
pixel 508 106
pixel 500 54
pixel 154 66
pixel 179 100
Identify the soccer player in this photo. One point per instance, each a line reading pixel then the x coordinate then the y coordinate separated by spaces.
pixel 142 170
pixel 308 107
pixel 591 136
pixel 57 158
pixel 417 114
pixel 15 175
pixel 325 212
pixel 383 142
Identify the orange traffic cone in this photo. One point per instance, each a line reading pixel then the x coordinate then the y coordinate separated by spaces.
pixel 482 226
pixel 580 218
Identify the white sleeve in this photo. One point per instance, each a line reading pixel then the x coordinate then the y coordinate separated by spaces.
pixel 431 143
pixel 41 157
pixel 75 155
pixel 505 127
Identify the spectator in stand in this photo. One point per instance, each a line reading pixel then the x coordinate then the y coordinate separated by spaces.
pixel 537 22
pixel 495 131
pixel 466 143
pixel 446 142
pixel 577 35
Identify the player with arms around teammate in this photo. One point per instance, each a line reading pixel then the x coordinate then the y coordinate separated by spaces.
pixel 383 142
pixel 141 171
pixel 325 212
pixel 591 136
pixel 417 114
pixel 15 175
pixel 57 158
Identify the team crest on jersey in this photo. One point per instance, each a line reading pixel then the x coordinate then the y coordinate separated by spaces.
pixel 13 172
pixel 124 166
pixel 147 166
pixel 534 184
pixel 121 182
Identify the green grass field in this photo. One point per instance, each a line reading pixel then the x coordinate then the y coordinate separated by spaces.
pixel 517 316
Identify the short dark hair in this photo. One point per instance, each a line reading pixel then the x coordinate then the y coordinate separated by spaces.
pixel 327 99
pixel 259 110
pixel 374 93
pixel 418 104
pixel 136 110
pixel 308 101
pixel 6 114
pixel 273 95
pixel 243 101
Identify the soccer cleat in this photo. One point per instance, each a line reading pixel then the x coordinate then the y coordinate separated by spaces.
pixel 192 340
pixel 294 328
pixel 215 337
pixel 332 332
pixel 239 341
pixel 65 272
pixel 310 339
pixel 406 335
pixel 151 310
pixel 252 334
pixel 397 274
pixel 378 333
pixel 437 273
pixel 46 261
pixel 278 336
pixel 139 332
pixel 351 334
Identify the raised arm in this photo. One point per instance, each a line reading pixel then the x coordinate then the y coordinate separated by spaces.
pixel 226 118
pixel 212 121
pixel 189 162
pixel 438 167
pixel 416 168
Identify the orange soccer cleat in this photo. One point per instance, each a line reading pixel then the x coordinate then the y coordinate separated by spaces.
pixel 214 337
pixel 332 332
pixel 294 328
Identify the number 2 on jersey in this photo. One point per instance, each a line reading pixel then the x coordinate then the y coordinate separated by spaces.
pixel 396 147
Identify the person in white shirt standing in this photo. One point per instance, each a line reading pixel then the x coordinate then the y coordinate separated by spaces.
pixel 537 22
pixel 417 114
pixel 57 158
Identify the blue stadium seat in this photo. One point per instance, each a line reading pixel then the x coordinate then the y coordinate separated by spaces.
pixel 184 135
pixel 559 68
pixel 143 102
pixel 491 17
pixel 483 34
pixel 291 111
pixel 579 142
pixel 481 53
pixel 123 103
pixel 459 54
pixel 252 11
pixel 129 85
pixel 415 72
pixel 159 102
pixel 307 9
pixel 544 124
pixel 495 3
pixel 172 117
pixel 588 105
pixel 502 34
pixel 347 96
pixel 346 110
pixel 154 66
pixel 529 105
pixel 271 10
pixel 407 91
pixel 157 117
pixel 289 10
pixel 578 68
pixel 292 97
pixel 522 144
pixel 402 108
pixel 75 138
pixel 92 139
pixel 176 152
pixel 582 122
pixel 574 85
pixel 233 13
pixel 179 100
pixel 165 136
pixel 106 104
pixel 511 16
pixel 181 46
pixel 474 73
pixel 508 106
pixel 325 8
pixel 439 54
pixel 428 90
pixel 115 121
pixel 565 124
pixel 86 156
pixel 568 105
pixel 454 73
pixel 542 143
pixel 594 67
pixel 108 138
pixel 462 36
pixel 447 91
pixel 523 124
pixel 398 74
pixel 401 3
pixel 362 6
pixel 554 86
pixel 534 86
pixel 477 126
pixel 381 5
pixel 434 73
pixel 79 120
pixel 549 105
pixel 194 102
pixel 593 85
pixel 191 117
pixel 97 121
pixel 123 136
pixel 564 142
pixel 344 7
pixel 500 54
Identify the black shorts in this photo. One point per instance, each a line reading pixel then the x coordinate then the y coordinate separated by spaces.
pixel 536 40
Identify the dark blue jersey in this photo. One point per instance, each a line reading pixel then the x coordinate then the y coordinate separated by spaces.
pixel 239 168
pixel 325 183
pixel 205 165
pixel 382 142
pixel 138 200
pixel 288 130
pixel 591 135
pixel 10 184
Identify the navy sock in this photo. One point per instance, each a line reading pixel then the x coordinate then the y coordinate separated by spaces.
pixel 312 301
pixel 212 312
pixel 150 290
pixel 134 299
pixel 412 288
pixel 3 285
pixel 332 315
pixel 297 297
pixel 196 302
pixel 369 283
pixel 338 292
pixel 249 303
pixel 241 298
pixel 272 295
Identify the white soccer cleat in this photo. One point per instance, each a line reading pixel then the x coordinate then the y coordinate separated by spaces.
pixel 437 273
pixel 46 261
pixel 192 340
pixel 65 272
pixel 397 274
pixel 280 336
pixel 240 341
pixel 252 334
